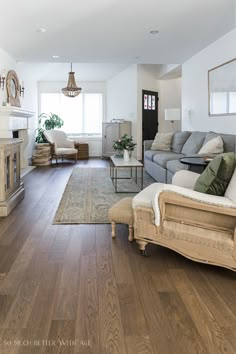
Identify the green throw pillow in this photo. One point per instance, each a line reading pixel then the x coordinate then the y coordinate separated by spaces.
pixel 215 178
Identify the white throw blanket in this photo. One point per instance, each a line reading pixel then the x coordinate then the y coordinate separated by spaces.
pixel 140 200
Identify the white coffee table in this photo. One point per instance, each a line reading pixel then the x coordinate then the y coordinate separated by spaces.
pixel 118 162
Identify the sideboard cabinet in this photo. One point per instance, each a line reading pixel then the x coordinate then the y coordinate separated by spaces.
pixel 11 186
pixel 113 131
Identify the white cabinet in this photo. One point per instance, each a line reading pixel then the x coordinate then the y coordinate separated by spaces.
pixel 113 131
pixel 11 187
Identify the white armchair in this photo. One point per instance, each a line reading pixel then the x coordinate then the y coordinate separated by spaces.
pixel 200 226
pixel 61 145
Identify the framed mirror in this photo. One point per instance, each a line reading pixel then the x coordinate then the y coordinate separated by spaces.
pixel 222 89
pixel 13 88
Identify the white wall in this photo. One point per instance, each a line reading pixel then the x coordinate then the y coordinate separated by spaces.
pixel 122 97
pixel 170 97
pixel 29 101
pixel 6 63
pixel 195 87
pixel 56 86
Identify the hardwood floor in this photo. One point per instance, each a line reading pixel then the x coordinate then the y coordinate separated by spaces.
pixel 72 289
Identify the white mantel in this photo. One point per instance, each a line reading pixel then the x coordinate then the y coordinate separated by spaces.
pixel 13 118
pixel 15 111
pixel 16 119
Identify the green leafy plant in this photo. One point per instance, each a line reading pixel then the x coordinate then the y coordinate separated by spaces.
pixel 47 122
pixel 125 142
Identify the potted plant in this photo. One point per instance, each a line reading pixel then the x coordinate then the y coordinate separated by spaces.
pixel 47 122
pixel 42 153
pixel 126 145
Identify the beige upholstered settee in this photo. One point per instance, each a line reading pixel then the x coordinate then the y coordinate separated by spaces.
pixel 199 226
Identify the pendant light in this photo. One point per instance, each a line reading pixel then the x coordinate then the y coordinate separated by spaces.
pixel 72 90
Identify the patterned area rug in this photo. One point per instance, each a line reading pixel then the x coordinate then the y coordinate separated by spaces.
pixel 89 194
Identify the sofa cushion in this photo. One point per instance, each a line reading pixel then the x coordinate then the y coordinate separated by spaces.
pixel 194 143
pixel 175 166
pixel 216 177
pixel 213 146
pixel 178 141
pixel 162 141
pixel 231 189
pixel 149 154
pixel 162 159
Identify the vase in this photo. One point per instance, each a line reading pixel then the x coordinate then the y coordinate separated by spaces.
pixel 126 155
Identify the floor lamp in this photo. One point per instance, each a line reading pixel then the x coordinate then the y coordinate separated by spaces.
pixel 172 114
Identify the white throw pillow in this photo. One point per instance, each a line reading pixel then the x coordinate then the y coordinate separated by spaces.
pixel 213 146
pixel 162 141
pixel 231 189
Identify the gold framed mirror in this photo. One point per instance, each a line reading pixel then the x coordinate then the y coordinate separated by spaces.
pixel 222 89
pixel 13 88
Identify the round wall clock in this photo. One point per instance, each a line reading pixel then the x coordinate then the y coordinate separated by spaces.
pixel 13 88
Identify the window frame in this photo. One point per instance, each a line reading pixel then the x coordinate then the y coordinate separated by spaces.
pixel 92 136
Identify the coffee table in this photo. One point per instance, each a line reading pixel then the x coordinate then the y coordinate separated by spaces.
pixel 117 163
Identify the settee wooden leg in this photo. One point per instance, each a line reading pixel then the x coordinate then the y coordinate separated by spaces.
pixel 113 229
pixel 131 237
pixel 142 247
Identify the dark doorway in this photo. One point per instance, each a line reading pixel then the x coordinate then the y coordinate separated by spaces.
pixel 149 115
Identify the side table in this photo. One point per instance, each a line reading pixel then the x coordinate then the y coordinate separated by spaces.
pixel 83 150
pixel 197 161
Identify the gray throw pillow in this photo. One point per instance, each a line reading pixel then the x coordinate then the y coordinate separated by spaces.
pixel 179 140
pixel 194 143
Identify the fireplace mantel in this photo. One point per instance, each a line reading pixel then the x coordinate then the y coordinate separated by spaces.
pixel 14 119
pixel 15 112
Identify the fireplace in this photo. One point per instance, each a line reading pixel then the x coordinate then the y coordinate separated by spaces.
pixel 14 124
pixel 15 134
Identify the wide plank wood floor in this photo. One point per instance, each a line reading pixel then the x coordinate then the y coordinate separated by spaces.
pixel 72 289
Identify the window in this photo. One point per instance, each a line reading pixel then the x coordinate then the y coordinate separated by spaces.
pixel 223 102
pixel 219 102
pixel 232 102
pixel 82 115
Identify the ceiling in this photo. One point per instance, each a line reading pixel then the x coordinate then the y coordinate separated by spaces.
pixel 83 71
pixel 112 31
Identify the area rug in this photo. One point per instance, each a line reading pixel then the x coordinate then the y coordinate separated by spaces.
pixel 90 193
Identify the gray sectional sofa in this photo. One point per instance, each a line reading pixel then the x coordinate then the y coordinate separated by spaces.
pixel 162 165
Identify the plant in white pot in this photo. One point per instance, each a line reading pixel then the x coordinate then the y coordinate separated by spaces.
pixel 125 144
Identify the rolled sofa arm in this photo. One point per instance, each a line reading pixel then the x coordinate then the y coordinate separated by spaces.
pixel 185 179
pixel 147 145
